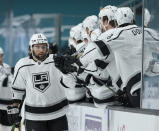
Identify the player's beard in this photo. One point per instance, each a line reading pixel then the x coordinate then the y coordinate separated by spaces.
pixel 40 57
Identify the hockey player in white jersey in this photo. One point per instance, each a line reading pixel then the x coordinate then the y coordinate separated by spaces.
pixel 76 44
pixel 37 77
pixel 90 23
pixel 126 44
pixel 5 93
pixel 74 90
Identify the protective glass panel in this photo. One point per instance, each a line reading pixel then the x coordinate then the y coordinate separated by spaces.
pixel 150 92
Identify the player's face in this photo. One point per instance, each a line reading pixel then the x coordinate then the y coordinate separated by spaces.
pixel 104 25
pixel 40 51
pixel 1 59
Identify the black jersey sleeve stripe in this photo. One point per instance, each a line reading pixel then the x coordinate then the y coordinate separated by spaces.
pixel 133 80
pixel 87 52
pixel 19 69
pixel 6 102
pixel 101 64
pixel 91 70
pixel 99 81
pixel 43 110
pixel 49 62
pixel 18 89
pixel 103 47
pixel 119 82
pixel 61 81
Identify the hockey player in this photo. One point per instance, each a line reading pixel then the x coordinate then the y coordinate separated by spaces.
pixel 90 23
pixel 76 44
pixel 74 90
pixel 126 44
pixel 38 78
pixel 5 93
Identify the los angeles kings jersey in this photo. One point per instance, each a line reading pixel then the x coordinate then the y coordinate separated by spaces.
pixel 5 90
pixel 126 45
pixel 39 81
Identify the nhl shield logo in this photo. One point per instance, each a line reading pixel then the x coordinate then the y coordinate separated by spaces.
pixel 41 81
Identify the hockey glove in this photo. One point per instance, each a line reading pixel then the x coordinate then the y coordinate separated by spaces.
pixel 64 63
pixel 71 50
pixel 13 116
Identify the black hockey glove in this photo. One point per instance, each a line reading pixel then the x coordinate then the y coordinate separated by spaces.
pixel 13 116
pixel 64 63
pixel 53 48
pixel 71 50
pixel 59 61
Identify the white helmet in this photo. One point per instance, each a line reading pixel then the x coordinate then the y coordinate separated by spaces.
pixel 108 11
pixel 1 51
pixel 91 22
pixel 38 39
pixel 75 32
pixel 124 15
pixel 147 17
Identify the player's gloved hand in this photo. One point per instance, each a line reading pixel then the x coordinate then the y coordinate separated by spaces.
pixel 64 63
pixel 13 115
pixel 71 50
pixel 59 60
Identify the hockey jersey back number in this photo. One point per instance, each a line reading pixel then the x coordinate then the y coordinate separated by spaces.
pixel 41 81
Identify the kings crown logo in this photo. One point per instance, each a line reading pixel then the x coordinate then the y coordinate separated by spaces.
pixel 41 81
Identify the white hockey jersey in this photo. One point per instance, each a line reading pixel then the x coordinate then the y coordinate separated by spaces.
pixel 126 44
pixel 39 81
pixel 5 92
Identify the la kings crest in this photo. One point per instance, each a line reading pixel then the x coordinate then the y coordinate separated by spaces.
pixel 41 81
